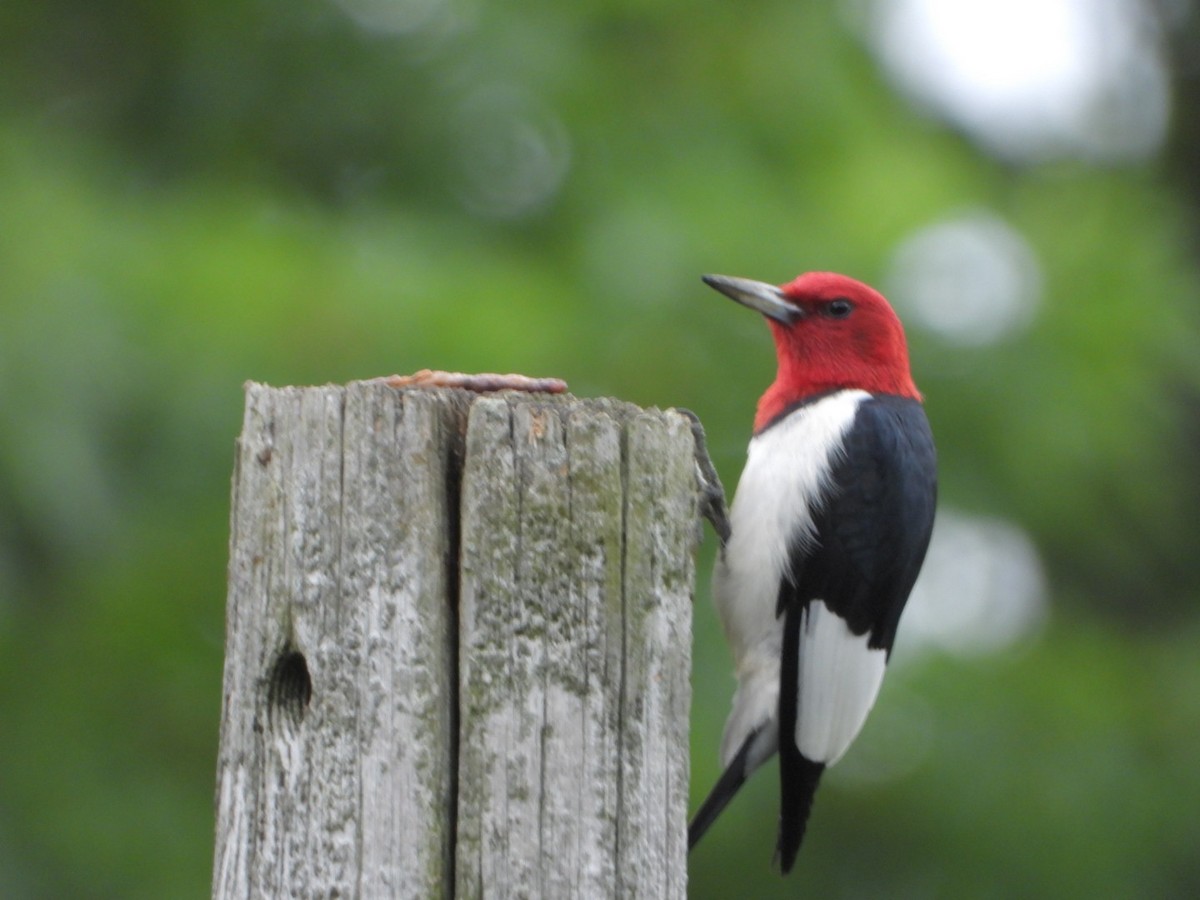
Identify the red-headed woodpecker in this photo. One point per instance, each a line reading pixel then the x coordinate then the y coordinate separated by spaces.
pixel 828 529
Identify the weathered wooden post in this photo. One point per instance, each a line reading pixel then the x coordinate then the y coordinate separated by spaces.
pixel 458 647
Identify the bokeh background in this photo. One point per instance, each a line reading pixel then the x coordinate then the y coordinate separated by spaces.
pixel 197 193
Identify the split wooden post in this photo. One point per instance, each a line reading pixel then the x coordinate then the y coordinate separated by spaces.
pixel 458 647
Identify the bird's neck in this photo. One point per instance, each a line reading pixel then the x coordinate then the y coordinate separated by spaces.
pixel 802 379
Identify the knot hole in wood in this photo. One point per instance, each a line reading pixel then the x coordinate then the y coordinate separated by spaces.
pixel 290 688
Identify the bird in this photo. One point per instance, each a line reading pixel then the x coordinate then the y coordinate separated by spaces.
pixel 828 529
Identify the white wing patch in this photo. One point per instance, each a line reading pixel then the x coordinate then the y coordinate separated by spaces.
pixel 839 681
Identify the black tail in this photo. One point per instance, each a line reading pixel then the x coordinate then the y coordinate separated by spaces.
pixel 798 776
pixel 718 798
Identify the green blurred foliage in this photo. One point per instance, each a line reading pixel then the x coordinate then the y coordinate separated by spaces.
pixel 197 194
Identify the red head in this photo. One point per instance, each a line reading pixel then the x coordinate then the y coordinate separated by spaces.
pixel 831 332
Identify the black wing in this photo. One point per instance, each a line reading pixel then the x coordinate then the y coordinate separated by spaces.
pixel 873 524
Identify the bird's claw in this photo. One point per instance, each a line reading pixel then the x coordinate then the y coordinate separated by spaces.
pixel 712 492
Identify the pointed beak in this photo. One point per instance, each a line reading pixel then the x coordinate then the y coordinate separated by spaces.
pixel 758 295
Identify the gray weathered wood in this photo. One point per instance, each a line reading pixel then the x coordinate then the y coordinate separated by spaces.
pixel 338 559
pixel 458 647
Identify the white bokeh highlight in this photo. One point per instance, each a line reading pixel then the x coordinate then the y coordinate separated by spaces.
pixel 1032 79
pixel 511 153
pixel 971 279
pixel 982 589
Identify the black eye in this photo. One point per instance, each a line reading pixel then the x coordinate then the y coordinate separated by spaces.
pixel 839 308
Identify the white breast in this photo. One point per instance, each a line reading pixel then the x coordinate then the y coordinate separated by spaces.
pixel 786 468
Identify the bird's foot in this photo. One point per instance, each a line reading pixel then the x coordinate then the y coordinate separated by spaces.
pixel 712 492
